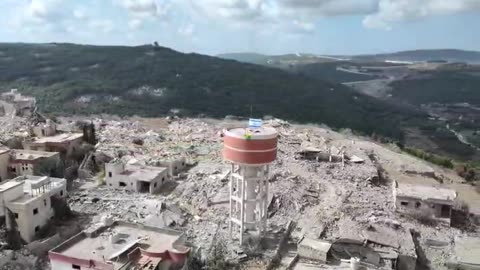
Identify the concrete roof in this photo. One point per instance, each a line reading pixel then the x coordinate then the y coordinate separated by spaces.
pixel 115 240
pixel 4 149
pixel 316 244
pixel 467 250
pixel 144 173
pixel 8 185
pixel 59 138
pixel 425 192
pixel 30 183
pixel 31 155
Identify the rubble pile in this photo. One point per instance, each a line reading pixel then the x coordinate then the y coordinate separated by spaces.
pixel 190 137
pixel 325 181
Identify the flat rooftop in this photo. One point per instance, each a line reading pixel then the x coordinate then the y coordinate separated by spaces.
pixel 33 186
pixel 116 240
pixel 8 185
pixel 144 173
pixel 31 154
pixel 59 138
pixel 425 192
pixel 467 250
pixel 4 149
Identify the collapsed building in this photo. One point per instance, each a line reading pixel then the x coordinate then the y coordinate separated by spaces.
pixel 371 247
pixel 65 143
pixel 23 105
pixel 27 203
pixel 429 201
pixel 18 162
pixel 121 245
pixel 25 162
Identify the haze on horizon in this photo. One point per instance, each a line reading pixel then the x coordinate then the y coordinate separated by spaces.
pixel 263 26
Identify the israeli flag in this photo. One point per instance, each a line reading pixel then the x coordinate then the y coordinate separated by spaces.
pixel 254 123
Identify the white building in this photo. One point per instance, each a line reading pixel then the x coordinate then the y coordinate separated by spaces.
pixel 134 177
pixel 4 161
pixel 23 105
pixel 29 200
pixel 64 143
pixel 175 166
pixel 428 200
pixel 49 128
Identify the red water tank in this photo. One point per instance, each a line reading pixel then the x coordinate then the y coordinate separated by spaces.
pixel 250 146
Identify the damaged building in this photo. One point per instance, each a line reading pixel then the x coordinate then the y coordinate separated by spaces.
pixel 429 201
pixel 65 143
pixel 371 247
pixel 121 245
pixel 23 105
pixel 27 202
pixel 25 162
pixel 135 177
pixel 18 162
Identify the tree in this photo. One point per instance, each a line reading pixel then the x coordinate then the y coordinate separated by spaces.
pixel 14 240
pixel 194 261
pixel 89 133
pixel 61 208
pixel 50 167
pixel 216 259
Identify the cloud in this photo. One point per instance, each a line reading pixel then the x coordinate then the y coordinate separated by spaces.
pixel 42 11
pixel 80 14
pixel 105 26
pixel 306 27
pixel 327 7
pixel 187 30
pixel 237 10
pixel 394 11
pixel 142 8
pixel 135 24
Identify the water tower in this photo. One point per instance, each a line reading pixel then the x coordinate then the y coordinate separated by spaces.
pixel 250 151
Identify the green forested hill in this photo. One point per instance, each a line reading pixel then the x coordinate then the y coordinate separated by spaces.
pixel 150 81
pixel 439 87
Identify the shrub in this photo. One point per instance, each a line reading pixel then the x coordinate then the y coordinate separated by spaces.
pixel 435 159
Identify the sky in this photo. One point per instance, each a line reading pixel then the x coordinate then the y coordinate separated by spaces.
pixel 263 26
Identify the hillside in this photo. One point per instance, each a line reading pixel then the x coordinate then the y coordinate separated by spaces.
pixel 153 81
pixel 439 87
pixel 330 72
pixel 449 55
pixel 252 58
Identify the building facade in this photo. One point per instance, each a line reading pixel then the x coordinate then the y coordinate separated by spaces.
pixel 65 143
pixel 24 162
pixel 134 177
pixel 4 162
pixel 29 201
pixel 433 202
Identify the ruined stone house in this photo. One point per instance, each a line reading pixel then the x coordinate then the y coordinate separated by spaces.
pixel 430 201
pixel 135 177
pixel 24 162
pixel 65 143
pixel 17 162
pixel 49 128
pixel 24 105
